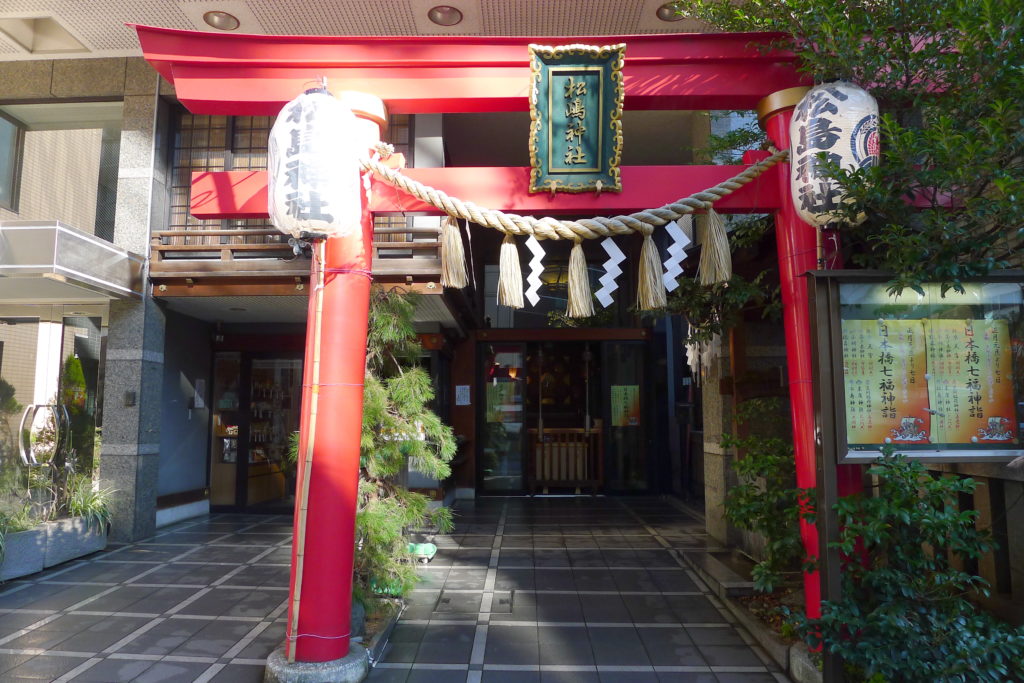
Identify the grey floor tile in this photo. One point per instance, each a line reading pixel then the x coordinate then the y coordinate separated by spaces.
pixel 514 579
pixel 729 655
pixel 384 675
pixel 110 670
pixel 649 609
pixel 596 579
pixel 90 641
pixel 695 609
pixel 239 673
pixel 46 667
pixel 43 640
pixel 565 646
pixel 569 677
pixel 172 672
pixel 214 639
pixel 407 633
pixel 400 652
pixel 553 580
pixel 510 677
pixel 501 651
pixel 10 661
pixel 618 646
pixel 629 677
pixel 604 609
pixel 559 608
pixel 670 647
pixel 437 676
pixel 673 580
pixel 686 677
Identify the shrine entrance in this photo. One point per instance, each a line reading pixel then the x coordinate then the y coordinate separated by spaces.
pixel 564 416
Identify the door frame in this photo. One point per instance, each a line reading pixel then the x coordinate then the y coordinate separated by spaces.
pixel 245 359
pixel 525 336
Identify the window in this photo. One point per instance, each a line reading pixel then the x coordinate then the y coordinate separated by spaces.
pixel 11 137
pixel 59 161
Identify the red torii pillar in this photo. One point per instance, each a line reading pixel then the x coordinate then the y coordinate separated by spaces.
pixel 797 243
pixel 320 596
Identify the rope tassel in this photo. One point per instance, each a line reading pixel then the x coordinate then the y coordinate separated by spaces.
pixel 510 274
pixel 715 260
pixel 581 304
pixel 453 256
pixel 650 290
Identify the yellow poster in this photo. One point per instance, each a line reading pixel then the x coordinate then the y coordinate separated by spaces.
pixel 503 401
pixel 884 370
pixel 970 383
pixel 625 405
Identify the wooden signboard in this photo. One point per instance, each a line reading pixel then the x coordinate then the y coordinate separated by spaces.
pixel 939 376
pixel 575 111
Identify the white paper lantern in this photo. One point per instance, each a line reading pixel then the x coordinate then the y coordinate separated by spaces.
pixel 314 180
pixel 840 120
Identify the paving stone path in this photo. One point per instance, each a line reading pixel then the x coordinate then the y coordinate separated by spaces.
pixel 573 590
pixel 203 600
pixel 545 590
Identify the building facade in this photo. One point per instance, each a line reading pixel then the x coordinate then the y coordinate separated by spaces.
pixel 185 310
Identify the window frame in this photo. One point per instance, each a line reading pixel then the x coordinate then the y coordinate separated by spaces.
pixel 18 156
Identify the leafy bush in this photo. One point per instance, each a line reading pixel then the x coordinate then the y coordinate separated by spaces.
pixel 766 501
pixel 948 80
pixel 905 613
pixel 399 430
pixel 85 500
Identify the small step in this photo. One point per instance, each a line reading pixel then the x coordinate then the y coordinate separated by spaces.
pixel 727 572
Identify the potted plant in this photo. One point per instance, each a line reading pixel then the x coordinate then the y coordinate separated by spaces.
pixel 22 543
pixel 84 531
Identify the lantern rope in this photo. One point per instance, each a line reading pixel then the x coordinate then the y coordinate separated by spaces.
pixel 585 228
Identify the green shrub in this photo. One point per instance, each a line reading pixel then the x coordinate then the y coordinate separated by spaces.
pixel 399 431
pixel 905 613
pixel 766 501
pixel 84 500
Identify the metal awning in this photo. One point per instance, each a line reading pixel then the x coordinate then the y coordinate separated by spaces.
pixel 48 262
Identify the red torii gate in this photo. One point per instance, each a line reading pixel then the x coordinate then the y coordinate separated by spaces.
pixel 217 73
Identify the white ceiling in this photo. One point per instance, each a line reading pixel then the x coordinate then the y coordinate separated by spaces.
pixel 100 25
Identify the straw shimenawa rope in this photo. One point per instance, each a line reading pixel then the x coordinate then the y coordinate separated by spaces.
pixel 584 228
pixel 651 294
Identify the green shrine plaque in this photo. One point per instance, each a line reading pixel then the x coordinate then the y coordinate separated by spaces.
pixel 576 118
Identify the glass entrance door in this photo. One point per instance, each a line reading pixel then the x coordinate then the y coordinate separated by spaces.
pixel 50 393
pixel 500 462
pixel 627 464
pixel 256 404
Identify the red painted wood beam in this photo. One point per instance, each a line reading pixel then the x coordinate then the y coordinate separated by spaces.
pixel 243 194
pixel 215 73
pixel 263 91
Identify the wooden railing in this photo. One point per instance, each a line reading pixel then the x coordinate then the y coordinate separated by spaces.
pixel 565 458
pixel 398 253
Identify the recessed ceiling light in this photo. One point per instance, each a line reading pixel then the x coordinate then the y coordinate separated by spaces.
pixel 671 11
pixel 444 15
pixel 221 20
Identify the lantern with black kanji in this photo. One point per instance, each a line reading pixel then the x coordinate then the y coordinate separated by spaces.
pixel 314 183
pixel 840 121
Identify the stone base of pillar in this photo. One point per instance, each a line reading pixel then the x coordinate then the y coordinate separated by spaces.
pixel 351 669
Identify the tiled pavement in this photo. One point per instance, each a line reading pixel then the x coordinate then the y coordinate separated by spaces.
pixel 544 590
pixel 201 601
pixel 580 590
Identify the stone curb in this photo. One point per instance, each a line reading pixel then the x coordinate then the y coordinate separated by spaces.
pixel 375 648
pixel 794 659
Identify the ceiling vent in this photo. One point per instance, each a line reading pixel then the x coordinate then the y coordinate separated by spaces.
pixel 41 35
